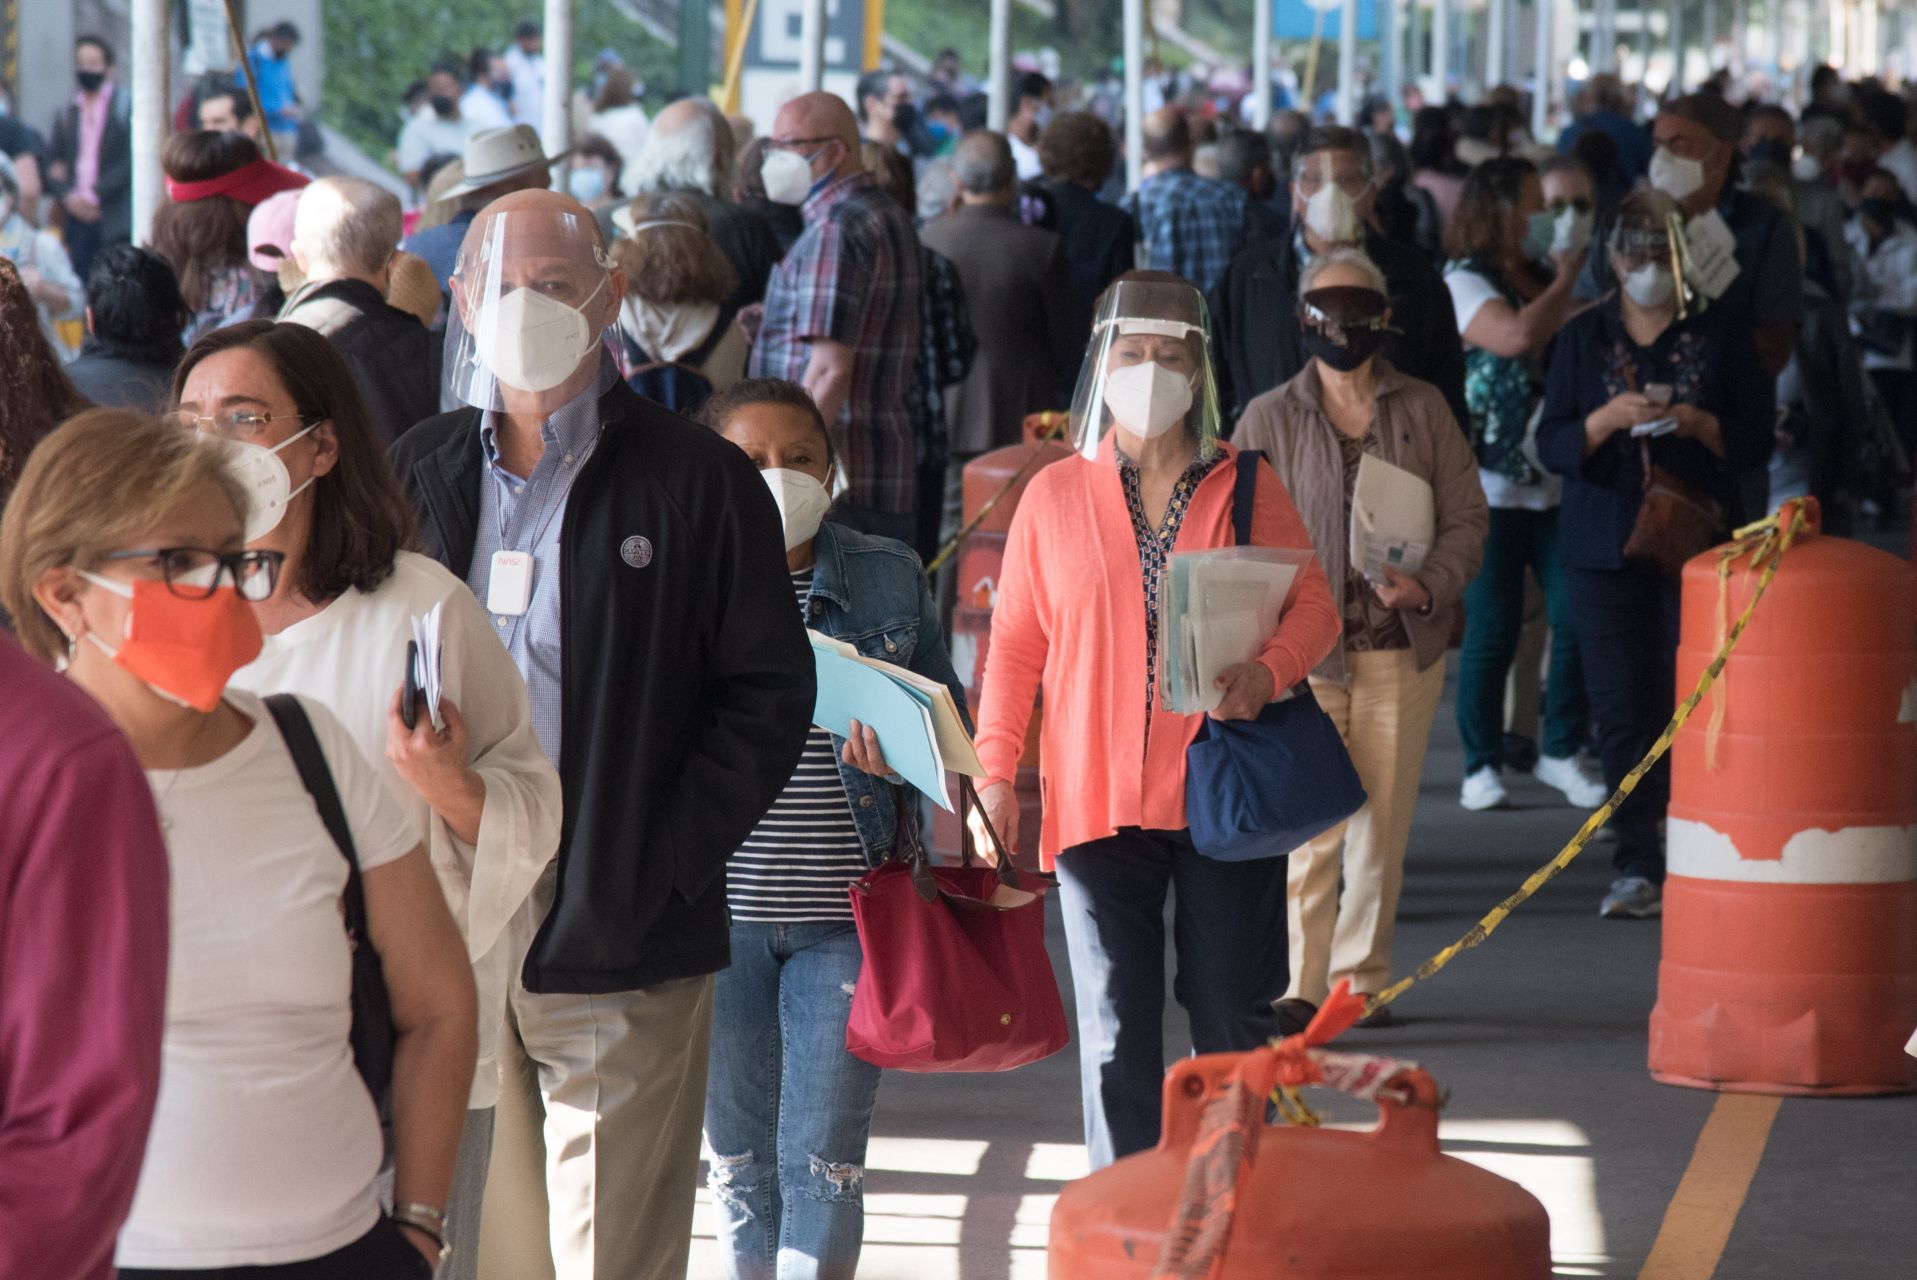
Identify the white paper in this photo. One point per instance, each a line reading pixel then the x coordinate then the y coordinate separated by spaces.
pixel 1712 264
pixel 427 669
pixel 1232 599
pixel 1659 427
pixel 1393 519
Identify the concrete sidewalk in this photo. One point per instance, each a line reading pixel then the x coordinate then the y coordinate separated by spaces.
pixel 1539 1036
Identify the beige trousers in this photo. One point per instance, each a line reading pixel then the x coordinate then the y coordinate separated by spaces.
pixel 1384 716
pixel 596 1141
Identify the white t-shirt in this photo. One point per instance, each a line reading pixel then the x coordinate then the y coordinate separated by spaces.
pixel 350 656
pixel 1469 292
pixel 426 135
pixel 1025 157
pixel 265 1146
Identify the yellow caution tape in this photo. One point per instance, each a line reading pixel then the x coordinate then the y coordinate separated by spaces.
pixel 1764 543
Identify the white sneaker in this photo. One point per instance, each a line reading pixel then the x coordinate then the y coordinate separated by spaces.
pixel 1483 790
pixel 1567 774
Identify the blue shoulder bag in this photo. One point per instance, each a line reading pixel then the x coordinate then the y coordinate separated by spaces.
pixel 1261 788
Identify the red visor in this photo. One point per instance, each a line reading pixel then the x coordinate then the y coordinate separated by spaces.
pixel 249 184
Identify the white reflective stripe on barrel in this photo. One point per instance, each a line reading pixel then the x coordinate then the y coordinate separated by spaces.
pixel 1853 855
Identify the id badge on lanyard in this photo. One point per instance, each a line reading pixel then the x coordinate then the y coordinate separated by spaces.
pixel 509 584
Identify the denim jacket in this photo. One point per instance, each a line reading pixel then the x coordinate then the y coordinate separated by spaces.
pixel 871 593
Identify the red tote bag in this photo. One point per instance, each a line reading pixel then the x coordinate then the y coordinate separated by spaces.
pixel 955 975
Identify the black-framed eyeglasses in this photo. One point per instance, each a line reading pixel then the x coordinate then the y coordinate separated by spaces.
pixel 195 573
pixel 233 424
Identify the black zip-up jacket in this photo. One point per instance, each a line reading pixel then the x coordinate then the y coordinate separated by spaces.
pixel 687 682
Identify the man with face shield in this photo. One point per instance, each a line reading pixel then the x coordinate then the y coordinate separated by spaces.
pixel 1637 383
pixel 633 565
pixel 1076 623
pixel 1255 306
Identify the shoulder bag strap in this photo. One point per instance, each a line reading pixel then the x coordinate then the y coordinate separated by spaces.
pixel 317 777
pixel 1244 495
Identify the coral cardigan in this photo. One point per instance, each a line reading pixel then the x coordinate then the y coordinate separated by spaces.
pixel 1070 623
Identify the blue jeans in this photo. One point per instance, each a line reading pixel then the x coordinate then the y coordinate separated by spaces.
pixel 1493 615
pixel 1228 931
pixel 788 1110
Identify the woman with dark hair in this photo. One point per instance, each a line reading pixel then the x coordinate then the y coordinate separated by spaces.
pixel 618 118
pixel 1434 163
pixel 594 178
pixel 469 773
pixel 213 181
pixel 678 343
pixel 1085 561
pixel 1635 385
pixel 1510 306
pixel 1405 212
pixel 35 393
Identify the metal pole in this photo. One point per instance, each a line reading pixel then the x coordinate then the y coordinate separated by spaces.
pixel 1261 62
pixel 695 47
pixel 556 120
pixel 1710 36
pixel 1441 48
pixel 1347 100
pixel 1494 43
pixel 1677 46
pixel 1391 59
pixel 1545 53
pixel 149 124
pixel 1134 17
pixel 812 46
pixel 1604 37
pixel 999 105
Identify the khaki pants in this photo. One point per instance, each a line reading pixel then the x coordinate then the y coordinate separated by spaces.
pixel 1384 716
pixel 596 1146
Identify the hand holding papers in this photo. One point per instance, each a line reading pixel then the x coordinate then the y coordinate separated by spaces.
pixel 917 722
pixel 428 654
pixel 1219 608
pixel 1393 519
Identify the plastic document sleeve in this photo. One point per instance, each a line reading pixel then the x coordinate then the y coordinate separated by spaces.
pixel 1217 609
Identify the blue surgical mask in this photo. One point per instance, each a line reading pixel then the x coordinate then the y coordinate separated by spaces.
pixel 586 184
pixel 1539 231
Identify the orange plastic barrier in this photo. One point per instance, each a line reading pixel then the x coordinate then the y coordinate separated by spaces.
pixel 1790 912
pixel 1225 1197
pixel 981 559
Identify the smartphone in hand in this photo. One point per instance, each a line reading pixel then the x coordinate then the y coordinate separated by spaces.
pixel 410 693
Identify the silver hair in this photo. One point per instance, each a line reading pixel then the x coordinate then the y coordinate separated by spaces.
pixel 983 163
pixel 695 156
pixel 1356 259
pixel 938 187
pixel 346 226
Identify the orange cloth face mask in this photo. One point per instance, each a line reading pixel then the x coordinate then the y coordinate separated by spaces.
pixel 184 650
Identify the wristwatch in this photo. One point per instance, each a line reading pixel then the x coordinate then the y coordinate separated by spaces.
pixel 429 1221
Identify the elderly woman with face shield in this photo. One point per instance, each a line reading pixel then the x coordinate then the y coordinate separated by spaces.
pixel 1076 623
pixel 1381 686
pixel 1644 385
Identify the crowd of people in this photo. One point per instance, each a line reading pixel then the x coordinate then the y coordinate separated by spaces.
pixel 303 978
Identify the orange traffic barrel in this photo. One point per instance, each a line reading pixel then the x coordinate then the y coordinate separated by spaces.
pixel 993 484
pixel 1790 911
pixel 1314 1204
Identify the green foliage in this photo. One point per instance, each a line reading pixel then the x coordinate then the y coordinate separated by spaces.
pixel 375 48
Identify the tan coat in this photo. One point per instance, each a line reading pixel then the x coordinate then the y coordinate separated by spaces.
pixel 1415 431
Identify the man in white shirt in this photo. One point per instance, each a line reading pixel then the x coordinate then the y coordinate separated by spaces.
pixel 527 64
pixel 437 129
pixel 482 104
pixel 1031 112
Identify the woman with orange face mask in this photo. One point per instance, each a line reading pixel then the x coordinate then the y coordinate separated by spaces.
pixel 122 549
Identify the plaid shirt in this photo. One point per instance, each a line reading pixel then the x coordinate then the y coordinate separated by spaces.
pixel 1189 225
pixel 853 277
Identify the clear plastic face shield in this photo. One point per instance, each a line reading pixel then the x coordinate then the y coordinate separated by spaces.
pixel 1148 372
pixel 534 298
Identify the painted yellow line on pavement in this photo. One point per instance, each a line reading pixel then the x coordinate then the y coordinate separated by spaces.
pixel 1698 1223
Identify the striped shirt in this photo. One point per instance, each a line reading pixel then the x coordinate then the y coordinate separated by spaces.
pixel 796 864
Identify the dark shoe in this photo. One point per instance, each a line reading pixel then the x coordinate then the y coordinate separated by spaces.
pixel 1520 753
pixel 1294 1015
pixel 1377 1018
pixel 1632 898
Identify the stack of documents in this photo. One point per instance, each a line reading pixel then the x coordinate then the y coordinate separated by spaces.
pixel 1393 520
pixel 1217 609
pixel 920 730
pixel 428 673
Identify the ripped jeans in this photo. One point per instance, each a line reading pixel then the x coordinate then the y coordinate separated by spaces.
pixel 788 1110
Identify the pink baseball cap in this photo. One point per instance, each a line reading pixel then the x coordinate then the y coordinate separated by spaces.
pixel 269 231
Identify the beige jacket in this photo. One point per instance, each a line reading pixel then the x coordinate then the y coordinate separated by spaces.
pixel 1415 431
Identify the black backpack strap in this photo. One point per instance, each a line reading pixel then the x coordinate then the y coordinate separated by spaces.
pixel 317 777
pixel 1244 495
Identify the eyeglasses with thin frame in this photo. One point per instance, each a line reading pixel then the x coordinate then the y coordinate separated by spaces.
pixel 1353 185
pixel 792 144
pixel 254 573
pixel 233 424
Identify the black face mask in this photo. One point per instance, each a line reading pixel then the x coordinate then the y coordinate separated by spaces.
pixel 1771 149
pixel 443 106
pixel 90 81
pixel 1880 211
pixel 1342 325
pixel 905 117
